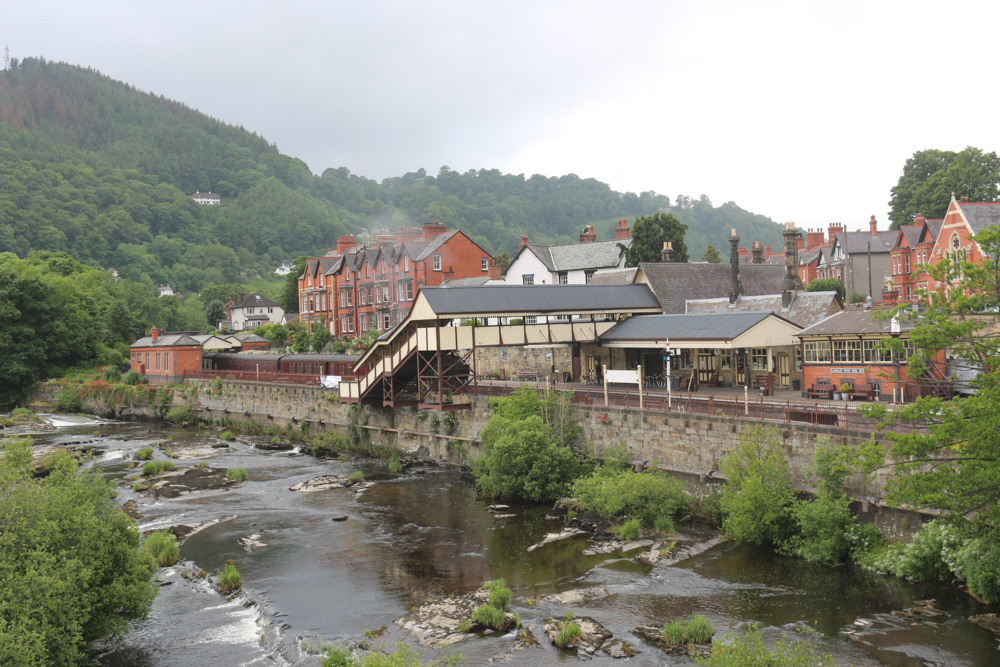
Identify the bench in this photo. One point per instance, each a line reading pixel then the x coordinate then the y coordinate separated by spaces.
pixel 759 381
pixel 529 374
pixel 864 391
pixel 822 389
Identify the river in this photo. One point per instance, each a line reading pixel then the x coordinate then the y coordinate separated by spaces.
pixel 425 534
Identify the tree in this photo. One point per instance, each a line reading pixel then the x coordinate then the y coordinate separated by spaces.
pixel 930 177
pixel 215 311
pixel 758 495
pixel 712 255
pixel 828 285
pixel 320 337
pixel 289 299
pixel 503 261
pixel 70 564
pixel 953 463
pixel 648 236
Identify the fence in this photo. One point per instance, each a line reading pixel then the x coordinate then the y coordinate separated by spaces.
pixel 844 414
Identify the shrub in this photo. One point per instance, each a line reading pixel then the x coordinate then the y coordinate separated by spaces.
pixel 711 506
pixel 491 617
pixel 494 583
pixel 569 633
pixel 750 650
pixel 59 459
pixel 663 524
pixel 157 467
pixel 338 656
pixel 465 625
pixel 978 562
pixel 21 412
pixel 395 466
pixel 237 474
pixel 131 377
pixel 673 633
pixel 823 523
pixel 230 579
pixel 181 414
pixel 500 598
pixel 355 477
pixel 227 435
pixel 631 530
pixel 758 496
pixel 924 557
pixel 67 400
pixel 611 492
pixel 162 547
pixel 112 374
pixel 699 629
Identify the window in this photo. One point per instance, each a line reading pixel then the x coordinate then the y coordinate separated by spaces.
pixel 908 349
pixel 758 359
pixel 378 295
pixel 528 279
pixel 725 360
pixel 368 270
pixel 385 293
pixel 383 266
pixel 343 298
pixel 270 309
pixel 364 322
pixel 406 262
pixel 437 262
pixel 563 277
pixel 874 355
pixel 531 319
pixel 369 290
pixel 589 275
pixel 166 361
pixel 361 297
pixel 847 351
pixel 147 360
pixel 157 361
pixel 386 321
pixel 486 263
pixel 906 263
pixel 409 291
pixel 817 351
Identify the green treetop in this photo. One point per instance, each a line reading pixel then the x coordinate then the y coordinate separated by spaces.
pixel 648 236
pixel 712 255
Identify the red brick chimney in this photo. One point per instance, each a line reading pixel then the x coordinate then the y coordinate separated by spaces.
pixel 767 253
pixel 814 239
pixel 494 270
pixel 524 242
pixel 801 243
pixel 407 234
pixel 343 243
pixel 890 298
pixel 743 251
pixel 918 221
pixel 588 235
pixel 835 228
pixel 429 229
pixel 621 231
pixel 874 226
pixel 155 333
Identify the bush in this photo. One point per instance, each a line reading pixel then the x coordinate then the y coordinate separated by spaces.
pixel 131 377
pixel 181 414
pixel 237 474
pixel 979 564
pixel 72 568
pixel 663 524
pixel 699 629
pixel 925 556
pixel 823 523
pixel 569 633
pixel 355 477
pixel 395 466
pixel 157 467
pixel 758 496
pixel 611 492
pixel 59 459
pixel 144 454
pixel 673 633
pixel 112 374
pixel 162 547
pixel 228 436
pixel 524 456
pixel 21 412
pixel 500 598
pixel 67 400
pixel 229 578
pixel 750 650
pixel 631 530
pixel 491 617
pixel 338 656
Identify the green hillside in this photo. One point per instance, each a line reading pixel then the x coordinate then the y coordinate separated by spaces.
pixel 103 171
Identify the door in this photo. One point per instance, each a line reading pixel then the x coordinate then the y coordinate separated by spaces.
pixel 706 368
pixel 784 370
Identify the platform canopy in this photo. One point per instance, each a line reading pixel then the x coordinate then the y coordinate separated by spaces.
pixel 725 331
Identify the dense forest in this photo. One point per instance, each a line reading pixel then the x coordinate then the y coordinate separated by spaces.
pixel 103 171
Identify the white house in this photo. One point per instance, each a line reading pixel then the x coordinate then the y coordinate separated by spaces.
pixel 253 310
pixel 568 264
pixel 284 269
pixel 206 198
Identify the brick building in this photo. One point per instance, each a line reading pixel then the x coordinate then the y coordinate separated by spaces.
pixel 163 357
pixel 353 288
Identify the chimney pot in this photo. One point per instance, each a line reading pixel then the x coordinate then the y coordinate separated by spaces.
pixel 874 226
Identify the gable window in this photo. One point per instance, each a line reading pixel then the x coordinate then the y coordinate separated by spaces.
pixel 589 275
pixel 528 279
pixel 437 262
pixel 406 262
pixel 486 264
pixel 564 278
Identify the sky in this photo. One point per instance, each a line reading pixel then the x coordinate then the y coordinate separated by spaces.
pixel 800 111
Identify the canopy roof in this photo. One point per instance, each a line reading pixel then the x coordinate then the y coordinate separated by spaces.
pixel 724 330
pixel 519 300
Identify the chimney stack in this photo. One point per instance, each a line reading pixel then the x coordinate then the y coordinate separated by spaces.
pixel 524 242
pixel 155 333
pixel 622 231
pixel 792 283
pixel 588 235
pixel 667 254
pixel 758 252
pixel 735 286
pixel 835 228
pixel 873 226
pixel 429 229
pixel 767 253
pixel 814 239
pixel 918 221
pixel 343 243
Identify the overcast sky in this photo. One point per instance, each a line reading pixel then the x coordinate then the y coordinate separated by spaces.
pixel 801 111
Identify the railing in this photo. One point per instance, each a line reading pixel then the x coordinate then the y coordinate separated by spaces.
pixel 254 376
pixel 843 415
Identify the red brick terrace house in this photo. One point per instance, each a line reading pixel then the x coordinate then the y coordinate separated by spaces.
pixel 912 250
pixel 353 289
pixel 163 357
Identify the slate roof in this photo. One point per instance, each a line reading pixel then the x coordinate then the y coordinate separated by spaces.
pixel 857 242
pixel 466 282
pixel 250 338
pixel 613 277
pixel 853 321
pixel 806 309
pixel 714 326
pixel 675 284
pixel 980 215
pixel 934 227
pixel 254 300
pixel 167 340
pixel 578 256
pixel 912 234
pixel 503 300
